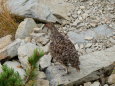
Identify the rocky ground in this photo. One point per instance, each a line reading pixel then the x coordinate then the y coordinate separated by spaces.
pixel 89 24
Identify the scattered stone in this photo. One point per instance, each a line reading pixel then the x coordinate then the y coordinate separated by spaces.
pixel 90 63
pixel 45 61
pixel 17 67
pixel 4 41
pixel 42 82
pixel 41 75
pixel 82 7
pixel 88 45
pixel 10 51
pixel 25 28
pixel 75 22
pixel 111 79
pixel 112 41
pixel 95 84
pixel 81 46
pixel 74 16
pixel 24 52
pixel 87 84
pixel 43 40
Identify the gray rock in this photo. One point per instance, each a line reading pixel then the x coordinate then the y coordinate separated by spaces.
pixel 59 8
pixel 101 32
pixel 111 79
pixel 91 67
pixel 87 84
pixel 25 28
pixel 31 8
pixel 24 52
pixel 45 61
pixel 4 41
pixel 95 84
pixel 10 50
pixel 16 66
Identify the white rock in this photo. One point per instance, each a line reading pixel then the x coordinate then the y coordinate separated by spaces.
pixel 41 75
pixel 89 66
pixel 17 67
pixel 76 46
pixel 88 38
pixel 111 79
pixel 25 28
pixel 24 52
pixel 82 7
pixel 10 50
pixel 87 84
pixel 95 84
pixel 37 30
pixel 88 45
pixel 79 12
pixel 45 61
pixel 106 85
pixel 4 41
pixel 80 18
pixel 81 46
pixel 32 8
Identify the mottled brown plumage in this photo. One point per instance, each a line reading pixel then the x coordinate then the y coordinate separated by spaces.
pixel 62 49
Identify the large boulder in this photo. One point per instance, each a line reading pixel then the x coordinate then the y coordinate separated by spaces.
pixel 96 33
pixel 25 28
pixel 10 51
pixel 17 67
pixel 31 8
pixel 24 52
pixel 59 8
pixel 92 66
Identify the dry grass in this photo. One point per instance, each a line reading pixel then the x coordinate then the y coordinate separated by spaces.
pixel 8 23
